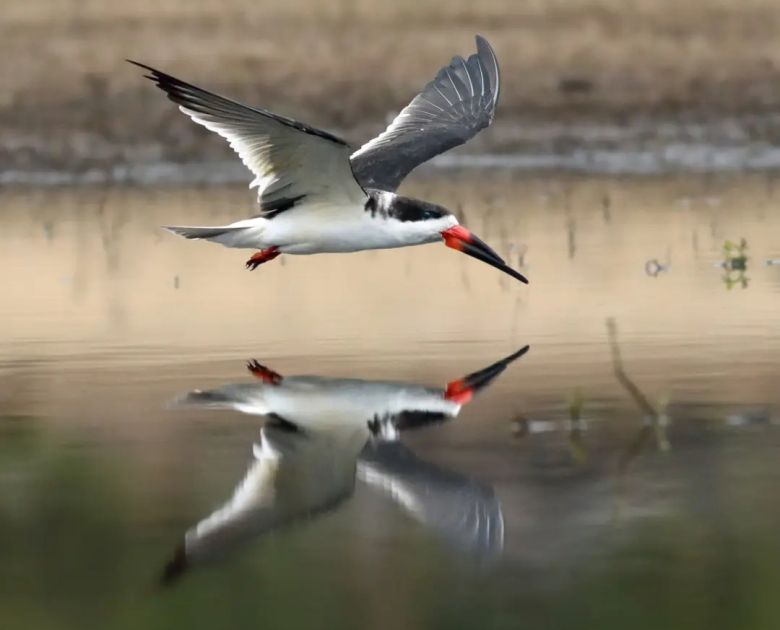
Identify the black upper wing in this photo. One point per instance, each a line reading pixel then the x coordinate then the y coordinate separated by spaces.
pixel 450 110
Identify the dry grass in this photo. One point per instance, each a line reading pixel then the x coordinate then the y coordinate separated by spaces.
pixel 65 84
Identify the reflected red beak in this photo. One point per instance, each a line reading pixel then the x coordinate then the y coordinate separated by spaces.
pixel 458 237
pixel 459 392
pixel 462 390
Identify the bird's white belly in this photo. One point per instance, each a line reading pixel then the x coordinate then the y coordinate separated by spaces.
pixel 335 230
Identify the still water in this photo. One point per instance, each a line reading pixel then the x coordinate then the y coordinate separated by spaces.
pixel 364 440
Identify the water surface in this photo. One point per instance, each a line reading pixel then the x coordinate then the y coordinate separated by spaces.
pixel 621 472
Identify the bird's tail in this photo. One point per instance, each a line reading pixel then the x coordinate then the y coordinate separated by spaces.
pixel 191 231
pixel 228 235
pixel 215 399
pixel 246 397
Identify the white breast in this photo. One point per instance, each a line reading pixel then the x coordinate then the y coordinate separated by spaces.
pixel 326 229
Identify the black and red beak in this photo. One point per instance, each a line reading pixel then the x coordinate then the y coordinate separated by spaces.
pixel 463 389
pixel 463 240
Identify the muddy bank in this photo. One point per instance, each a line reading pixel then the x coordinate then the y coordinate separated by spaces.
pixel 581 75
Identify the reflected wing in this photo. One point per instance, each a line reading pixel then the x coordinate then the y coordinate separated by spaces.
pixel 291 161
pixel 450 110
pixel 295 475
pixel 458 508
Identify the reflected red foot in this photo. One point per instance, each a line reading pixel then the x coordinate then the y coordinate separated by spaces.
pixel 264 255
pixel 265 374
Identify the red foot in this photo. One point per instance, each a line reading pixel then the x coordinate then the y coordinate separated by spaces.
pixel 264 255
pixel 265 374
pixel 458 392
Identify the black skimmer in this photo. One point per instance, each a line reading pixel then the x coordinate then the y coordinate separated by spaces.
pixel 320 436
pixel 317 195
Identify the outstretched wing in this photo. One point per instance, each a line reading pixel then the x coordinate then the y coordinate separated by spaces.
pixel 463 511
pixel 294 476
pixel 291 161
pixel 451 109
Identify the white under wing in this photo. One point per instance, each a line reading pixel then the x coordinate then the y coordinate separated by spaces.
pixel 288 163
pixel 291 161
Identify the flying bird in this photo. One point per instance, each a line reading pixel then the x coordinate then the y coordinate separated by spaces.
pixel 317 195
pixel 322 434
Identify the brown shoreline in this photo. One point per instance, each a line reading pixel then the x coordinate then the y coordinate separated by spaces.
pixel 347 66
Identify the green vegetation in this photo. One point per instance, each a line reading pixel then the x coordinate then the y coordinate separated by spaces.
pixel 735 264
pixel 81 548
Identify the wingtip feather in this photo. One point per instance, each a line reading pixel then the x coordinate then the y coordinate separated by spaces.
pixel 140 65
pixel 489 59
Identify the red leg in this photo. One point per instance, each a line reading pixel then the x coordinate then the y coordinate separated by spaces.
pixel 267 375
pixel 264 255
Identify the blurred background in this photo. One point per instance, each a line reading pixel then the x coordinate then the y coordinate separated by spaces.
pixel 623 472
pixel 590 74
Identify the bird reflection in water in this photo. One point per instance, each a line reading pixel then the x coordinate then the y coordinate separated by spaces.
pixel 321 434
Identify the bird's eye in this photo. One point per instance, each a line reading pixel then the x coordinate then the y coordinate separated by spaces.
pixel 427 214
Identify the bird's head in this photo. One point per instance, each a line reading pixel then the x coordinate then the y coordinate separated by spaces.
pixel 418 221
pixel 424 222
